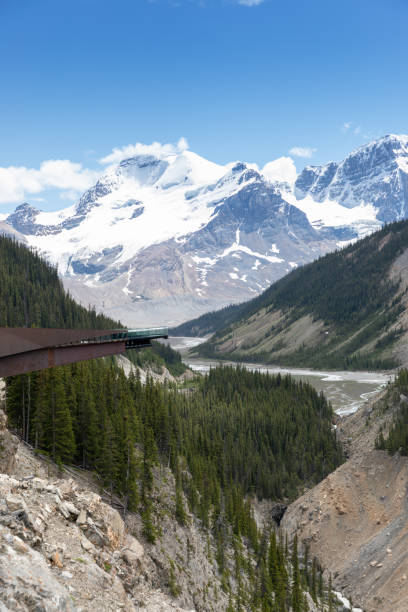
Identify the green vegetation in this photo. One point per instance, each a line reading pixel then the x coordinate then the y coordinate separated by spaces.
pixel 349 291
pixel 284 427
pixel 157 357
pixel 235 435
pixel 210 322
pixel 32 295
pixel 397 439
pixel 91 415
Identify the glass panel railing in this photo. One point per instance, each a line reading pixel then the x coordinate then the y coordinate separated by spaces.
pixel 129 334
pixel 154 332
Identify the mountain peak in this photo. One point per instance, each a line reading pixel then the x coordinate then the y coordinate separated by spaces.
pixel 23 218
pixel 26 207
pixel 389 141
pixel 375 174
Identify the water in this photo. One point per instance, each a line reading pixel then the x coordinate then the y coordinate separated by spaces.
pixel 346 391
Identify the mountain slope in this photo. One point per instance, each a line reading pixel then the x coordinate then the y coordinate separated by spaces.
pixel 32 294
pixel 140 237
pixel 162 238
pixel 376 173
pixel 355 521
pixel 347 309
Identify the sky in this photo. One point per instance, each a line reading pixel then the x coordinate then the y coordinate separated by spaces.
pixel 250 80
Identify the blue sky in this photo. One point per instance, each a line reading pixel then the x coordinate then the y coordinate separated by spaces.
pixel 249 79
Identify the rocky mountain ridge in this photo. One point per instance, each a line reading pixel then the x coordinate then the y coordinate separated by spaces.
pixel 63 548
pixel 165 237
pixel 375 173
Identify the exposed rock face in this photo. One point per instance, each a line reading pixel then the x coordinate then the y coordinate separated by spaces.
pixel 376 173
pixel 21 565
pixel 8 445
pixel 38 527
pixel 88 557
pixel 356 520
pixel 63 549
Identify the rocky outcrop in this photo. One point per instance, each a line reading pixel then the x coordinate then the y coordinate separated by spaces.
pixel 66 540
pixel 356 520
pixel 158 374
pixel 8 443
pixel 91 559
pixel 62 548
pixel 26 582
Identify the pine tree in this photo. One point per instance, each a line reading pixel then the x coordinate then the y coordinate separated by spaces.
pixel 296 598
pixel 330 596
pixel 53 418
pixel 313 586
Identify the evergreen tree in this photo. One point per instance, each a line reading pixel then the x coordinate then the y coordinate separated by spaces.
pixel 296 596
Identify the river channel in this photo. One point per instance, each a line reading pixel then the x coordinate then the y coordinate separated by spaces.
pixel 346 391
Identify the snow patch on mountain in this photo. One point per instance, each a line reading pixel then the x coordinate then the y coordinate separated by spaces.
pixel 375 174
pixel 233 250
pixel 329 213
pixel 171 209
pixel 56 217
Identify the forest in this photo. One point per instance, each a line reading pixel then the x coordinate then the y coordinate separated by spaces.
pixel 397 438
pixel 237 435
pixel 327 287
pixel 349 290
pixel 90 415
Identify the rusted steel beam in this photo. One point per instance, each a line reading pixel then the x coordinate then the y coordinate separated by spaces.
pixel 50 357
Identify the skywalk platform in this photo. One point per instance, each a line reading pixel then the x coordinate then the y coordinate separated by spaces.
pixel 25 349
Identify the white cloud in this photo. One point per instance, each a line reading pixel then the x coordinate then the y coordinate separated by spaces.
pixel 282 170
pixel 250 2
pixel 302 151
pixel 156 148
pixel 349 125
pixel 17 182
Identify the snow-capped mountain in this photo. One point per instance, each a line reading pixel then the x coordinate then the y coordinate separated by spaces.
pixel 162 238
pixel 375 175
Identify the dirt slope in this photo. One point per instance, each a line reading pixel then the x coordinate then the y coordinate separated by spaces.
pixel 356 520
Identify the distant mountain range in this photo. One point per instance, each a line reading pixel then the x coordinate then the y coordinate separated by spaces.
pixel 161 239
